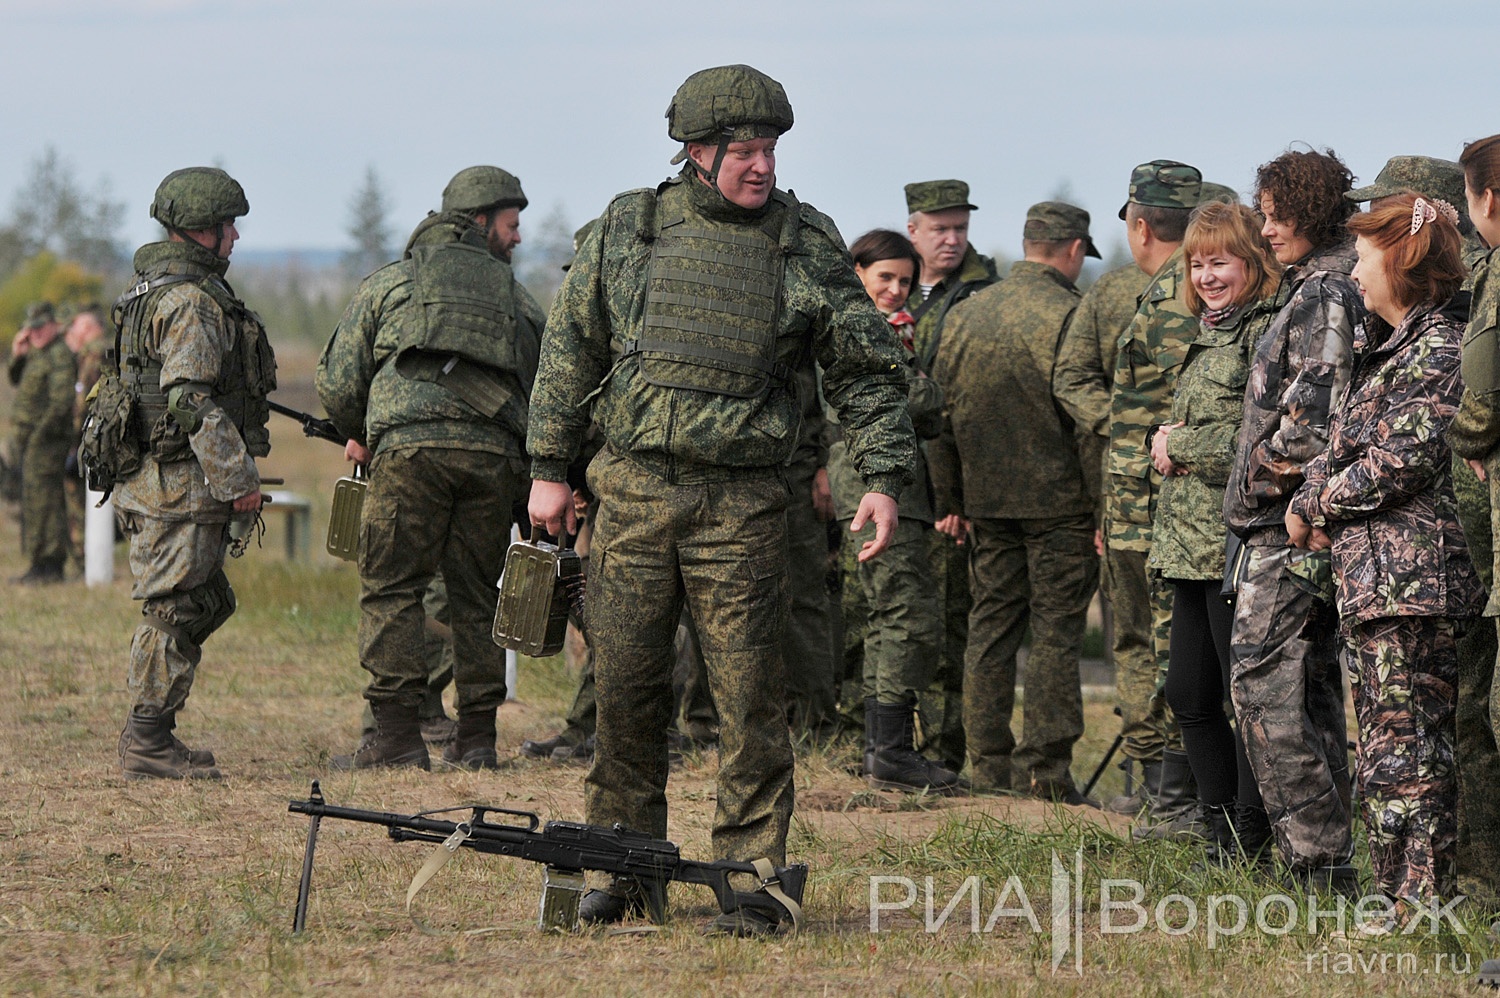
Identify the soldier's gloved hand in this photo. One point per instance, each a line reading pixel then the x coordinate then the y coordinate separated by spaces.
pixel 875 506
pixel 551 507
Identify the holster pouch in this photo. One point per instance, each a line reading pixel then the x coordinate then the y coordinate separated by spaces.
pixel 531 616
pixel 343 521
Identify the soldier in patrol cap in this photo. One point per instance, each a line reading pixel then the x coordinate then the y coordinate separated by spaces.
pixel 42 369
pixel 429 374
pixel 680 331
pixel 938 225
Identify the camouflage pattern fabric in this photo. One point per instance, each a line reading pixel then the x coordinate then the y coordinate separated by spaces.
pixel 1288 696
pixel 1150 356
pixel 1041 573
pixel 1188 534
pixel 1142 607
pixel 1475 432
pixel 899 627
pixel 806 647
pixel 975 271
pixel 940 731
pixel 1300 369
pixel 693 500
pixel 429 508
pixel 437 652
pixel 1085 367
pixel 719 547
pixel 90 359
pixel 178 571
pixel 1404 675
pixel 43 414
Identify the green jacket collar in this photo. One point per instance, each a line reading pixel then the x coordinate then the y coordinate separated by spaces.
pixel 170 256
pixel 1032 270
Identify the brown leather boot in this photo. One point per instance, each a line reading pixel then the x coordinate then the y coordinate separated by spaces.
pixel 474 745
pixel 397 742
pixel 149 752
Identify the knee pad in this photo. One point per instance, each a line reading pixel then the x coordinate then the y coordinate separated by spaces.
pixel 205 608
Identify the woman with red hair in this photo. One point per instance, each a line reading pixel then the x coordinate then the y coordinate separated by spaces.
pixel 1381 496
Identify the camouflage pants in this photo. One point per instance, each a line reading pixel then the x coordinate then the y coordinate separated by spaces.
pixel 901 628
pixel 940 708
pixel 854 614
pixel 44 511
pixel 811 690
pixel 720 548
pixel 1404 673
pixel 437 652
pixel 178 568
pixel 1041 572
pixel 429 509
pixel 1478 719
pixel 1142 608
pixel 1289 701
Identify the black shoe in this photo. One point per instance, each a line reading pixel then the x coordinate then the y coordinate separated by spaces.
pixel 396 744
pixel 896 764
pixel 43 573
pixel 744 923
pixel 626 898
pixel 543 749
pixel 1336 878
pixel 576 755
pixel 1061 793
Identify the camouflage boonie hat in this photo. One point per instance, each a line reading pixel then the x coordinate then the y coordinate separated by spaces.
pixel 1053 221
pixel 1210 191
pixel 477 187
pixel 1439 178
pixel 937 195
pixel 38 314
pixel 578 240
pixel 1164 183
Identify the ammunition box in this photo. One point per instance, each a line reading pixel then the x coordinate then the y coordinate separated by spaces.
pixel 531 616
pixel 343 522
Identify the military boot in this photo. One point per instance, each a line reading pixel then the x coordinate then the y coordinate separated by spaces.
pixel 869 760
pixel 474 745
pixel 1175 812
pixel 397 741
pixel 896 764
pixel 148 752
pixel 1144 793
pixel 197 757
pixel 626 897
pixel 42 573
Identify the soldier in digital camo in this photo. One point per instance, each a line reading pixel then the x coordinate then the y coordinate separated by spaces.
pixel 42 369
pixel 429 374
pixel 1381 497
pixel 1285 684
pixel 198 366
pixel 951 271
pixel 1013 472
pixel 1150 353
pixel 680 330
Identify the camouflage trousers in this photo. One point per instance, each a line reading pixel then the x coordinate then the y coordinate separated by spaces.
pixel 44 509
pixel 1404 672
pixel 1289 702
pixel 940 708
pixel 901 628
pixel 1142 609
pixel 1478 718
pixel 720 548
pixel 1042 573
pixel 429 509
pixel 806 648
pixel 437 651
pixel 178 568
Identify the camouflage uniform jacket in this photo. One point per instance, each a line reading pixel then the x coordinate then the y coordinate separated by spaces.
pixel 1384 486
pixel 1086 362
pixel 370 399
pixel 1017 459
pixel 193 338
pixel 1301 365
pixel 43 404
pixel 689 436
pixel 975 271
pixel 1188 534
pixel 90 366
pixel 1476 430
pixel 1150 355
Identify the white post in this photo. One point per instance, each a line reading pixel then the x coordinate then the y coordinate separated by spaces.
pixel 510 653
pixel 98 540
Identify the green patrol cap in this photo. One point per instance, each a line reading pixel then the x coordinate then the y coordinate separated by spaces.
pixel 1054 221
pixel 38 314
pixel 1438 178
pixel 1164 183
pixel 1217 192
pixel 936 195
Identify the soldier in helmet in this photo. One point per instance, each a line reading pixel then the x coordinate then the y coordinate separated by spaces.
pixel 428 374
pixel 199 367
pixel 680 331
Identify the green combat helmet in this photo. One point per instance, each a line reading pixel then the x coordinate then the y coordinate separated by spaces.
pixel 727 104
pixel 198 198
pixel 476 188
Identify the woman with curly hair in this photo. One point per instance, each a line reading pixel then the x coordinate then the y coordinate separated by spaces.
pixel 1284 676
pixel 1232 282
pixel 1381 498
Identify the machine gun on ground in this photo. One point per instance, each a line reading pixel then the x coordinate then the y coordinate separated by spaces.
pixel 312 426
pixel 566 849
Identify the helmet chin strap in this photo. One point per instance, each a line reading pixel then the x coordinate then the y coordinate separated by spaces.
pixel 712 175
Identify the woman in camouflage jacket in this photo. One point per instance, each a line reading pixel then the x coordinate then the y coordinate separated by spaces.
pixel 1233 280
pixel 1381 496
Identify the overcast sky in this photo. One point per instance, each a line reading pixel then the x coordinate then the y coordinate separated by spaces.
pixel 296 99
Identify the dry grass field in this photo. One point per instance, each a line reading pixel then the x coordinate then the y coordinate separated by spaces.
pixel 115 887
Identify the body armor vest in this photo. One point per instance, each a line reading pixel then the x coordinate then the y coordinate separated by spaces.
pixel 713 300
pixel 468 302
pixel 247 373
